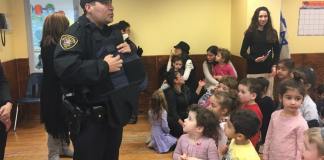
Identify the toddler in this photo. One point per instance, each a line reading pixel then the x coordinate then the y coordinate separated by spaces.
pixel 223 67
pixel 161 140
pixel 285 138
pixel 242 125
pixel 198 143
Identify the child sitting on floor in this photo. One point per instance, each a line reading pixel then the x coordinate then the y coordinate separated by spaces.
pixel 201 128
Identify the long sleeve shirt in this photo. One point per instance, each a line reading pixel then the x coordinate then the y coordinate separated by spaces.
pixel 256 109
pixel 224 70
pixel 309 112
pixel 205 148
pixel 257 42
pixel 209 79
pixel 285 137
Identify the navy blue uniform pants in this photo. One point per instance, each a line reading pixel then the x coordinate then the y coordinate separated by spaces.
pixel 97 141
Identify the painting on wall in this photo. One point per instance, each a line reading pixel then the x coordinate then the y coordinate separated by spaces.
pixel 38 10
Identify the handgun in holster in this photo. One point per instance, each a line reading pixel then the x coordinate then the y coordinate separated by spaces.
pixel 75 115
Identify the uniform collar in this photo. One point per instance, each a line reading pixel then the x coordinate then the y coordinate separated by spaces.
pixel 84 21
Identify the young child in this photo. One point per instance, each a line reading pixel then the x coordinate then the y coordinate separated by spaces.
pixel 284 69
pixel 314 144
pixel 177 64
pixel 320 101
pixel 198 142
pixel 242 125
pixel 222 67
pixel 248 90
pixel 161 140
pixel 175 67
pixel 223 104
pixel 266 105
pixel 285 138
pixel 226 84
pixel 308 107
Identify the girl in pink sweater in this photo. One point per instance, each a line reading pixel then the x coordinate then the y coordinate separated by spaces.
pixel 285 136
pixel 223 67
pixel 201 128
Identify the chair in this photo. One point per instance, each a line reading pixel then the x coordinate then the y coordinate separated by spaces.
pixel 32 95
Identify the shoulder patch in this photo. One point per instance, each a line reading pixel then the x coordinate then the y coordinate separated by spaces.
pixel 67 41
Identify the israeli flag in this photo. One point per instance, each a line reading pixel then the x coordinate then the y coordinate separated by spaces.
pixel 284 50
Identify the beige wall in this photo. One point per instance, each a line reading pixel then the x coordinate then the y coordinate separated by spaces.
pixel 6 51
pixel 19 34
pixel 16 38
pixel 239 24
pixel 158 25
pixel 299 44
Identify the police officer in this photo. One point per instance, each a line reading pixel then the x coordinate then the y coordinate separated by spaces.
pixel 80 69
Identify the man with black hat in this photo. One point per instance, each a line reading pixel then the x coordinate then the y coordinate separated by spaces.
pixel 85 68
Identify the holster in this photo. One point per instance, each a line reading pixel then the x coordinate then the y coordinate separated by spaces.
pixel 75 116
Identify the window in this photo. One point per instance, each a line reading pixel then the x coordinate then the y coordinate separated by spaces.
pixel 37 10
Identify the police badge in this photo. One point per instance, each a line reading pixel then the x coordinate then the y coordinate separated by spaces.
pixel 68 41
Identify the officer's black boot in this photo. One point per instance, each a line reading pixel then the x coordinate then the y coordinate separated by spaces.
pixel 133 119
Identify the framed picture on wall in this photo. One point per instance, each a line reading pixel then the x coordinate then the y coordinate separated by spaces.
pixel 36 12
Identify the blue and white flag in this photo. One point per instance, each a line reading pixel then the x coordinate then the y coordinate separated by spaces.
pixel 284 50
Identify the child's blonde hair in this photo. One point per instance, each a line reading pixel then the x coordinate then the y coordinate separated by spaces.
pixel 158 103
pixel 315 136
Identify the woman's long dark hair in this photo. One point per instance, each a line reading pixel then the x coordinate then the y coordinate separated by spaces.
pixel 271 32
pixel 53 115
pixel 212 49
pixel 54 26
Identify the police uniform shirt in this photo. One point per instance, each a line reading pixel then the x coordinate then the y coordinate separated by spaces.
pixel 75 58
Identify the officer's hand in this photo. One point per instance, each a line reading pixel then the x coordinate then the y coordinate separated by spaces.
pixel 123 48
pixel 115 63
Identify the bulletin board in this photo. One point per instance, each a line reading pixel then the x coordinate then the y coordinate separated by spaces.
pixel 311 22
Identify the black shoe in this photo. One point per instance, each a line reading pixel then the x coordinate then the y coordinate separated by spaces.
pixel 133 120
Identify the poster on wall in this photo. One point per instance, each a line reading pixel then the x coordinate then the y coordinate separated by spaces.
pixel 311 19
pixel 38 10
